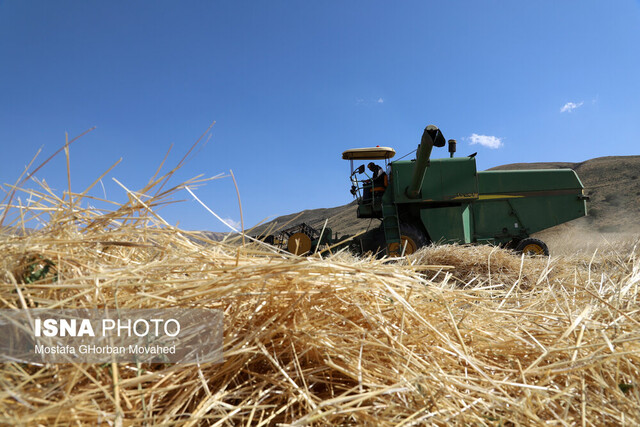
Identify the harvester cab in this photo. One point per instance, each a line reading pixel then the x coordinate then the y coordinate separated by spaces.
pixel 447 200
pixel 368 188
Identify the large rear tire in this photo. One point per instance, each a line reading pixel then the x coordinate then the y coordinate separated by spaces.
pixel 412 238
pixel 532 247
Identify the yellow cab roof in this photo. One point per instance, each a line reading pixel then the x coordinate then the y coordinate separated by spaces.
pixel 369 153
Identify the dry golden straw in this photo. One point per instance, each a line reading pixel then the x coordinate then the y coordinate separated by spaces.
pixel 450 335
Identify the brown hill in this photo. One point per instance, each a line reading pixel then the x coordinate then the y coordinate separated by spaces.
pixel 612 183
pixel 341 219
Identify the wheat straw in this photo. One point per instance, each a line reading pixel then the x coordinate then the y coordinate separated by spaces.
pixel 450 335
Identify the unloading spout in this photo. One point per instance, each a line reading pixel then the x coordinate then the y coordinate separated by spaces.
pixel 430 137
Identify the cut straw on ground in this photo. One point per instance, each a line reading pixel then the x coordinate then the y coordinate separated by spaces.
pixel 449 335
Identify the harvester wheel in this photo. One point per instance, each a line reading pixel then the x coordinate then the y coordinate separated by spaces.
pixel 531 246
pixel 299 243
pixel 411 239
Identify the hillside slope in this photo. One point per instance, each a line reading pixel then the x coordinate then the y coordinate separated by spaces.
pixel 612 183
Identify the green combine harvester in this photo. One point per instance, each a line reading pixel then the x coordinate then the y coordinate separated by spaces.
pixel 423 200
pixel 448 201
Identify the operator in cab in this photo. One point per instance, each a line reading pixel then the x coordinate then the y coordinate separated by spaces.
pixel 379 179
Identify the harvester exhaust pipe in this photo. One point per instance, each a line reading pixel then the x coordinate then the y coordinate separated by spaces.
pixel 452 147
pixel 430 137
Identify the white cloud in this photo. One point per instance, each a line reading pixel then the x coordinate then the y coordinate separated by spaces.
pixel 486 140
pixel 370 101
pixel 232 222
pixel 570 106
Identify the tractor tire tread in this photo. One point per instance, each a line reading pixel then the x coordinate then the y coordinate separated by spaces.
pixel 532 241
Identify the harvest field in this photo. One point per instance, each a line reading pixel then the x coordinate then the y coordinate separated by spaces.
pixel 450 335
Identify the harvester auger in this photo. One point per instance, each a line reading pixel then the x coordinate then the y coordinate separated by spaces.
pixel 448 201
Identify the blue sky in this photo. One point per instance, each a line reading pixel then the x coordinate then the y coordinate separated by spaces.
pixel 291 85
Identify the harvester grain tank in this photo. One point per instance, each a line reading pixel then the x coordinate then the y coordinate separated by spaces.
pixel 448 201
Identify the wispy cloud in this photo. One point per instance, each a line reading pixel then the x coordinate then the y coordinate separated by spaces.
pixel 486 141
pixel 570 106
pixel 376 101
pixel 232 222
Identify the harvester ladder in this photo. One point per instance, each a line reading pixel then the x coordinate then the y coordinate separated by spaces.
pixel 390 223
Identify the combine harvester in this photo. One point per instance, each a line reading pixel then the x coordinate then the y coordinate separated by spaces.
pixel 447 200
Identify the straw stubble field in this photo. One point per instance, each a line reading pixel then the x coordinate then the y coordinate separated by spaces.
pixel 450 335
